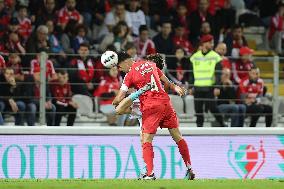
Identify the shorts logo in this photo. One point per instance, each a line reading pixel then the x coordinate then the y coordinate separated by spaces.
pixel 281 152
pixel 246 161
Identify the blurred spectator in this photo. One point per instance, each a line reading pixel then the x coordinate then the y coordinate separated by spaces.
pixel 181 17
pixel 14 45
pixel 137 16
pixel 55 46
pixel 67 37
pixel 163 41
pixel 119 37
pixel 38 41
pixel 15 63
pixel 143 43
pixel 221 49
pixel 4 18
pixel 178 67
pixel 180 39
pixel 25 27
pixel 31 90
pixel 106 91
pixel 81 37
pixel 276 30
pixel 82 71
pixel 197 17
pixel 47 12
pixel 61 91
pixel 158 10
pixel 235 41
pixel 50 71
pixel 131 50
pixel 251 90
pixel 117 15
pixel 68 12
pixel 243 65
pixel 2 64
pixel 227 100
pixel 10 93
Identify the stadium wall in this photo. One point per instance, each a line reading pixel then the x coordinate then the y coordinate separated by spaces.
pixel 88 152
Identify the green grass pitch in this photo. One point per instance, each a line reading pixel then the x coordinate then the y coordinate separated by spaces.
pixel 136 184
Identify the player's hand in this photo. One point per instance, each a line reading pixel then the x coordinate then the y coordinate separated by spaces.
pixel 216 92
pixel 180 90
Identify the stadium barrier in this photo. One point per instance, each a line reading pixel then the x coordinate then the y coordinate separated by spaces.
pixel 109 152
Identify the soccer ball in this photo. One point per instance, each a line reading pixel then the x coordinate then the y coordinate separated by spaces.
pixel 109 59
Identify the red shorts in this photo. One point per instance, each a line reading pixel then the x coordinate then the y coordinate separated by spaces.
pixel 156 115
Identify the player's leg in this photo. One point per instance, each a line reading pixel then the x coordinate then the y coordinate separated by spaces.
pixel 148 154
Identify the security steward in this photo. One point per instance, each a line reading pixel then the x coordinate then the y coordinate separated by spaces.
pixel 206 69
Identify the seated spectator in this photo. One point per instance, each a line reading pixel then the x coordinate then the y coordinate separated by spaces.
pixel 50 71
pixel 143 43
pixel 2 64
pixel 31 90
pixel 178 66
pixel 131 50
pixel 251 90
pixel 243 65
pixel 181 17
pixel 25 27
pixel 227 100
pixel 180 39
pixel 276 30
pixel 82 71
pixel 9 94
pixel 163 40
pixel 81 37
pixel 62 94
pixel 46 12
pixel 235 41
pixel 119 37
pixel 196 19
pixel 106 91
pixel 117 15
pixel 4 18
pixel 14 44
pixel 15 63
pixel 68 36
pixel 221 49
pixel 137 16
pixel 67 13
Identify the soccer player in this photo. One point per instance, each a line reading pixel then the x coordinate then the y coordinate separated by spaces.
pixel 156 108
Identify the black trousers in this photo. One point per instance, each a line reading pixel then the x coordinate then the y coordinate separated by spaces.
pixel 61 111
pixel 257 110
pixel 204 96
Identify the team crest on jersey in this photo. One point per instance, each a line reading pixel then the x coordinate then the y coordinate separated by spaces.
pixel 246 161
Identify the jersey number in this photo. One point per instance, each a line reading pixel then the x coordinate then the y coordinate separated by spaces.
pixel 154 84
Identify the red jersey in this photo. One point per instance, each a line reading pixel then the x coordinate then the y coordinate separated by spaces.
pixel 2 64
pixel 226 63
pixel 64 15
pixel 62 93
pixel 18 69
pixel 108 84
pixel 145 48
pixel 85 71
pixel 25 28
pixel 50 71
pixel 241 70
pixel 184 43
pixel 248 87
pixel 141 73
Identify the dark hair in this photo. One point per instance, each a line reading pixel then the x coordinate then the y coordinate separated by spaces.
pixel 85 44
pixel 237 26
pixel 156 58
pixel 129 45
pixel 119 2
pixel 122 56
pixel 143 28
pixel 81 26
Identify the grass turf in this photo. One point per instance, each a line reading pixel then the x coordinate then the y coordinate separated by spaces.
pixel 136 184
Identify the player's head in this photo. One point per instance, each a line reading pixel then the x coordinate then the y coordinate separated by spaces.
pixel 156 58
pixel 124 62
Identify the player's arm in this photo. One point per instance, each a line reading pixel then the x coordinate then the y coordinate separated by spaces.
pixel 179 90
pixel 119 97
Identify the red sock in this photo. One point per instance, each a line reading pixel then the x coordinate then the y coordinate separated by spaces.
pixel 184 152
pixel 148 156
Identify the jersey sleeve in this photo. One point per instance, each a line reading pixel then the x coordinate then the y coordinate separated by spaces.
pixel 160 73
pixel 127 82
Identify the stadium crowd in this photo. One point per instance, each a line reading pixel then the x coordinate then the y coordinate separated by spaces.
pixel 74 33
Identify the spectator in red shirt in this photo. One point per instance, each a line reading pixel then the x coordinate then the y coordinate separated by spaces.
pixel 182 17
pixel 2 64
pixel 180 39
pixel 47 12
pixel 243 65
pixel 221 49
pixel 61 91
pixel 143 43
pixel 235 41
pixel 50 71
pixel 68 12
pixel 276 29
pixel 25 27
pixel 4 18
pixel 82 71
pixel 251 90
pixel 107 91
